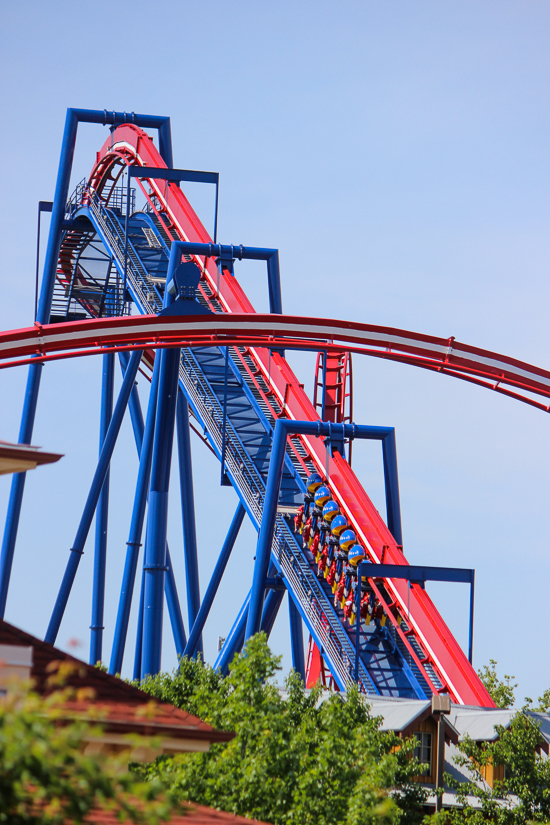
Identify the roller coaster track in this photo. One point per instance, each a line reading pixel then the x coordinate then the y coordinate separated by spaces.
pixel 412 657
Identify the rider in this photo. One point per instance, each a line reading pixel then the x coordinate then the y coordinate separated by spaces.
pixel 347 540
pixel 356 554
pixel 367 601
pixel 313 482
pixel 330 510
pixel 339 524
pixel 322 495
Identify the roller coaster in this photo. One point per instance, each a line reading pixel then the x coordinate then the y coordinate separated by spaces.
pixel 118 279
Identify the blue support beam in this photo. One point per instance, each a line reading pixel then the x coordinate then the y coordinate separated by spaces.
pixel 157 520
pixel 136 414
pixel 296 639
pixel 283 428
pixel 174 607
pixel 335 440
pixel 391 481
pixel 18 486
pixel 144 442
pixel 229 253
pixel 178 175
pixel 420 574
pixel 188 513
pixel 234 641
pixel 73 118
pixel 136 527
pixel 215 580
pixel 155 547
pixel 91 503
pixel 272 603
pixel 102 516
pixel 139 631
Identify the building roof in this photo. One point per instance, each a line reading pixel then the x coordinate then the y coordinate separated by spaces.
pixel 18 458
pixel 193 815
pixel 543 721
pixel 399 714
pixel 403 715
pixel 119 704
pixel 479 724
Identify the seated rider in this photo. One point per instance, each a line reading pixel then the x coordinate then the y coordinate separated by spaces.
pixel 367 601
pixel 347 540
pixel 330 510
pixel 322 495
pixel 313 482
pixel 356 554
pixel 379 614
pixel 349 593
pixel 339 524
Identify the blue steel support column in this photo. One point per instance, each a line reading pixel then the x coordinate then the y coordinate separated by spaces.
pixel 143 437
pixel 35 370
pixel 391 479
pixel 165 142
pixel 265 538
pixel 155 549
pixel 272 603
pixel 102 516
pixel 209 596
pixel 235 640
pixel 296 639
pixel 17 486
pixel 136 528
pixel 274 282
pixel 91 503
pixel 136 415
pixel 471 631
pixel 188 513
pixel 174 609
pixel 139 632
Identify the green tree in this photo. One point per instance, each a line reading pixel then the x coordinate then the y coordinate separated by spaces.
pixel 295 759
pixel 522 797
pixel 46 779
pixel 501 691
pixel 543 705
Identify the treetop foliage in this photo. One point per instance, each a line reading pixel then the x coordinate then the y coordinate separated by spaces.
pixel 296 758
pixel 522 797
pixel 47 779
pixel 501 691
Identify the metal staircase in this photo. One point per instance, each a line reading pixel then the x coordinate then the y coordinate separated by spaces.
pixel 385 665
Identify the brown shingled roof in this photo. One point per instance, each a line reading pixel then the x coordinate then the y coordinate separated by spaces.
pixel 116 704
pixel 194 815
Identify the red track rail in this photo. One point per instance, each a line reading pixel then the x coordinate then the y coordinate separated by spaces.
pixel 459 360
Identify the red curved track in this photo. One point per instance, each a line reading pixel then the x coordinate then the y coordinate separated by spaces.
pixel 238 324
pixel 447 356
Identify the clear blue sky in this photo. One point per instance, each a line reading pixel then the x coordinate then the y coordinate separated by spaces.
pixel 397 155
